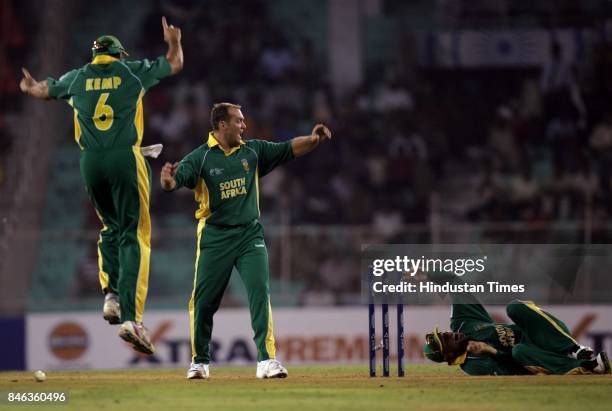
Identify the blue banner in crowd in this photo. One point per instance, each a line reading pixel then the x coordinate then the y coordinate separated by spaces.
pixel 501 48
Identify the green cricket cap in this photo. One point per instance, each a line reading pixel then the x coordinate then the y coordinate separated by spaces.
pixel 108 44
pixel 433 348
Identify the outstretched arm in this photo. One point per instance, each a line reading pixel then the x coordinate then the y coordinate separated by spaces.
pixel 305 144
pixel 29 85
pixel 172 36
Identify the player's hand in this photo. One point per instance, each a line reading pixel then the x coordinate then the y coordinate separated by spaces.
pixel 169 170
pixel 166 178
pixel 320 133
pixel 171 34
pixel 27 82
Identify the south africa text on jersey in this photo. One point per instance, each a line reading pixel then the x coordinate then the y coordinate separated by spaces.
pixel 232 188
pixel 506 335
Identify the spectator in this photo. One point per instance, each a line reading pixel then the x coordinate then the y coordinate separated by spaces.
pixel 503 145
pixel 601 146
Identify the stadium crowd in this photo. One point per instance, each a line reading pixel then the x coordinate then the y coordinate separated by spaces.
pixel 538 151
pixel 494 144
pixel 12 54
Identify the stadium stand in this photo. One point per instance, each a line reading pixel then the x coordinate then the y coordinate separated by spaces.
pixel 425 147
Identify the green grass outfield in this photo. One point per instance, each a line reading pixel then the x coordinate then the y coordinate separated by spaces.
pixel 312 388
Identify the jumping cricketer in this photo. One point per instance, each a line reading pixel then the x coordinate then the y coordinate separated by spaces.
pixel 106 96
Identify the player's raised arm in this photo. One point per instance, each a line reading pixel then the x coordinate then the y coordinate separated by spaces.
pixel 172 36
pixel 305 144
pixel 29 85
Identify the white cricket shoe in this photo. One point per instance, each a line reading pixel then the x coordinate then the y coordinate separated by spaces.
pixel 112 310
pixel 198 371
pixel 137 335
pixel 603 365
pixel 270 369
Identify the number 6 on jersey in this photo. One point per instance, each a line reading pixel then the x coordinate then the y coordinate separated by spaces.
pixel 103 110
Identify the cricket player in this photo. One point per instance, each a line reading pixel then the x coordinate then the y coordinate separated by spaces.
pixel 224 173
pixel 536 343
pixel 106 96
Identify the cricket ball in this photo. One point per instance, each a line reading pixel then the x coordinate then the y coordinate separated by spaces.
pixel 40 376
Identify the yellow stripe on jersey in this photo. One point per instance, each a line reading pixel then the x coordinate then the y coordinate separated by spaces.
pixel 537 370
pixel 538 310
pixel 578 371
pixel 143 233
pixel 201 225
pixel 270 347
pixel 77 126
pixel 139 118
pixel 203 199
pixel 102 275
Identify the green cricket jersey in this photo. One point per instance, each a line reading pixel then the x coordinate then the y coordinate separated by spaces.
pixel 476 323
pixel 471 318
pixel 106 96
pixel 226 184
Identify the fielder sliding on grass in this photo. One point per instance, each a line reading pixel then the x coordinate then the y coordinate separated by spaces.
pixel 536 343
pixel 224 173
pixel 106 96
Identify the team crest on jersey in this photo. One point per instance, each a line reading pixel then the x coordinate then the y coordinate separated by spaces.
pixel 215 172
pixel 245 164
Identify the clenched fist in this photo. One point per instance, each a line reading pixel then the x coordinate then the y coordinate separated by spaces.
pixel 166 179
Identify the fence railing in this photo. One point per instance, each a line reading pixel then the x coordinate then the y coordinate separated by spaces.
pixel 309 265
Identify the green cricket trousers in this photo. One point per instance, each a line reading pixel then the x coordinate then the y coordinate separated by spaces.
pixel 118 182
pixel 219 250
pixel 545 343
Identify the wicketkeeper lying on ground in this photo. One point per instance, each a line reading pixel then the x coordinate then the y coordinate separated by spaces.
pixel 536 343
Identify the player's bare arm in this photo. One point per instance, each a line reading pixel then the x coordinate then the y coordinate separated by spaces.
pixel 29 85
pixel 480 348
pixel 305 144
pixel 172 36
pixel 168 183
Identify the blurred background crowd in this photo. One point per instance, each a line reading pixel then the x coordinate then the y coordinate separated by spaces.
pixel 462 121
